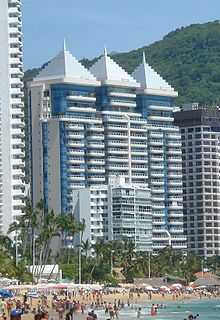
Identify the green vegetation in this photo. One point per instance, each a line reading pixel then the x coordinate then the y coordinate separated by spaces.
pixel 41 236
pixel 187 58
pixel 45 237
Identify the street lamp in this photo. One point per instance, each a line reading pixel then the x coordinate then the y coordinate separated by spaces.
pixel 149 264
pixel 80 264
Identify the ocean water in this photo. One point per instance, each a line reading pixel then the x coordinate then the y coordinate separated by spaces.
pixel 207 310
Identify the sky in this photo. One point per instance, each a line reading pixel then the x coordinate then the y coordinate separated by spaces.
pixel 89 25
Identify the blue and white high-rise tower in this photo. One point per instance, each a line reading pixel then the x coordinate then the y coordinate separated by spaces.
pixel 90 125
pixel 155 100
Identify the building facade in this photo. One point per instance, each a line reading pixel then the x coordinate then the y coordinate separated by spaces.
pixel 200 131
pixel 117 211
pixel 12 135
pixel 155 102
pixel 89 125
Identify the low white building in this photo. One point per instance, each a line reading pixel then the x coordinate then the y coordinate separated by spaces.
pixel 117 211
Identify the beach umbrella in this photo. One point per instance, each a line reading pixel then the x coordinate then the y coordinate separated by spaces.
pixel 164 288
pixel 176 286
pixel 148 287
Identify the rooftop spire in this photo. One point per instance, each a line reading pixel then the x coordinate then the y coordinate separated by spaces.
pixel 64 45
pixel 150 80
pixel 105 52
pixel 106 69
pixel 144 58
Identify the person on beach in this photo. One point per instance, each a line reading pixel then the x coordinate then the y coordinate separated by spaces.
pixel 139 313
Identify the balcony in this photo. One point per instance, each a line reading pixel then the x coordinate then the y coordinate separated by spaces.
pixel 117 168
pixel 117 136
pixel 73 170
pixel 76 161
pixel 95 137
pixel 100 179
pixel 156 159
pixel 143 161
pixel 76 127
pixel 76 178
pixel 96 170
pixel 160 108
pixel 120 152
pixel 97 154
pixel 116 128
pixel 157 183
pixel 121 94
pixel 96 162
pixel 117 160
pixel 95 129
pixel 141 138
pixel 81 98
pixel 160 118
pixel 175 183
pixel 138 129
pixel 117 143
pixel 155 143
pixel 157 166
pixel 156 135
pixel 123 104
pixel 75 144
pixel 139 169
pixel 76 152
pixel 95 147
pixel 75 136
pixel 154 151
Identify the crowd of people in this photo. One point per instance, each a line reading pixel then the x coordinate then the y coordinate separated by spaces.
pixel 82 304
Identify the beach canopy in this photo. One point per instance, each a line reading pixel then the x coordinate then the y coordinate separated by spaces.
pixel 5 294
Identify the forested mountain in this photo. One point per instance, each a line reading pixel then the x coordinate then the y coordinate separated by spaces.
pixel 189 58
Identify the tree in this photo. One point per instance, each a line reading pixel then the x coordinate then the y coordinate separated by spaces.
pixel 38 229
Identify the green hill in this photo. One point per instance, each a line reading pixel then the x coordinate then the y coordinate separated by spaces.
pixel 189 58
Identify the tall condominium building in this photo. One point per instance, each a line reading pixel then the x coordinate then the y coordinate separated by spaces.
pixel 124 128
pixel 12 143
pixel 117 211
pixel 67 146
pixel 155 102
pixel 200 130
pixel 87 126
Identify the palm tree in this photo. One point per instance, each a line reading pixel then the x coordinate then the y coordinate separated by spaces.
pixel 86 248
pixel 6 245
pixel 98 250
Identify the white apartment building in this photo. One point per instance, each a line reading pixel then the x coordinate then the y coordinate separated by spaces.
pixel 12 143
pixel 117 211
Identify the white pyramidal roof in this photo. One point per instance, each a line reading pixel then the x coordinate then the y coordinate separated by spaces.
pixel 151 82
pixel 66 67
pixel 109 72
